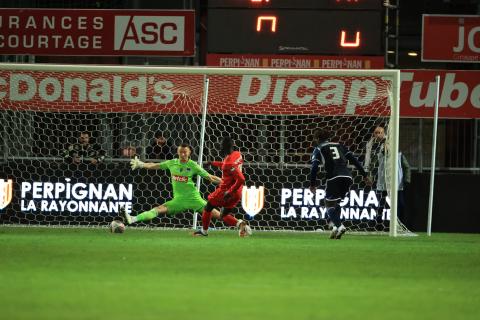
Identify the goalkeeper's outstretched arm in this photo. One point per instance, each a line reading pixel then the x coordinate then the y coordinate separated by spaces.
pixel 137 164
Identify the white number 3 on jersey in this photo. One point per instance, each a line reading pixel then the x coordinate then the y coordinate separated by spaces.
pixel 335 153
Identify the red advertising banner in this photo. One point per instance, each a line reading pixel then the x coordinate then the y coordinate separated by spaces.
pixel 100 92
pixel 295 61
pixel 97 32
pixel 451 38
pixel 182 93
pixel 247 94
pixel 459 93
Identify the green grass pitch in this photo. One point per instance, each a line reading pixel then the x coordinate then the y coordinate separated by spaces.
pixel 48 273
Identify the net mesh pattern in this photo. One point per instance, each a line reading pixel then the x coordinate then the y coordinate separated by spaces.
pixel 270 117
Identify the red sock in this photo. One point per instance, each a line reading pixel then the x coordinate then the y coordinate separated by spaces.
pixel 230 220
pixel 206 218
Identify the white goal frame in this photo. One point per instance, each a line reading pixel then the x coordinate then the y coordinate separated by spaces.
pixel 391 75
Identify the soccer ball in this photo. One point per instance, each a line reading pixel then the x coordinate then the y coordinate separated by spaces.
pixel 117 226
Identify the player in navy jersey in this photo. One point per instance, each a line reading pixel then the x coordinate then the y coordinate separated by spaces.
pixel 334 157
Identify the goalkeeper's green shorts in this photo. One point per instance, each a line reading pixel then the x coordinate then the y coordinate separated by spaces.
pixel 178 205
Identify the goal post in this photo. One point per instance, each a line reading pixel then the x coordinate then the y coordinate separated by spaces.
pixel 202 139
pixel 270 113
pixel 394 161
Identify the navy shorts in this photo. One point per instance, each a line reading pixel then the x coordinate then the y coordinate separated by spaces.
pixel 338 187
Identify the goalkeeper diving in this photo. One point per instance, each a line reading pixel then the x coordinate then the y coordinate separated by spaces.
pixel 185 194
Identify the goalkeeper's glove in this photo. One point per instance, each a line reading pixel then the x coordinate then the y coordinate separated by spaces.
pixel 136 164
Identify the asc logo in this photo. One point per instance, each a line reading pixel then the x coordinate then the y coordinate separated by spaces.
pixel 149 33
pixel 6 192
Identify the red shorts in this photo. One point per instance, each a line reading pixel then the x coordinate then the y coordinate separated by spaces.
pixel 216 198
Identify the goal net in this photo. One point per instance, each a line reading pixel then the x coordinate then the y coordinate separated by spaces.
pixel 69 132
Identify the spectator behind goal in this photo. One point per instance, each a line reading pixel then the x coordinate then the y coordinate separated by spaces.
pixel 160 148
pixel 83 151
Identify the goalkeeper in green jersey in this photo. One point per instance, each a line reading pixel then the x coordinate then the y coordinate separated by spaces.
pixel 185 194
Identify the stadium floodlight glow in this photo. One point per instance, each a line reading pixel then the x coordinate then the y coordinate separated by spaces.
pixel 412 53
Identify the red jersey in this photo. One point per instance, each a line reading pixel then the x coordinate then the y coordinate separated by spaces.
pixel 232 176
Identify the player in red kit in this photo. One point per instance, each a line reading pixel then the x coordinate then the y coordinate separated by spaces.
pixel 228 193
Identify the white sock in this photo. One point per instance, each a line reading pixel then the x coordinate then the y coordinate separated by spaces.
pixel 134 219
pixel 238 222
